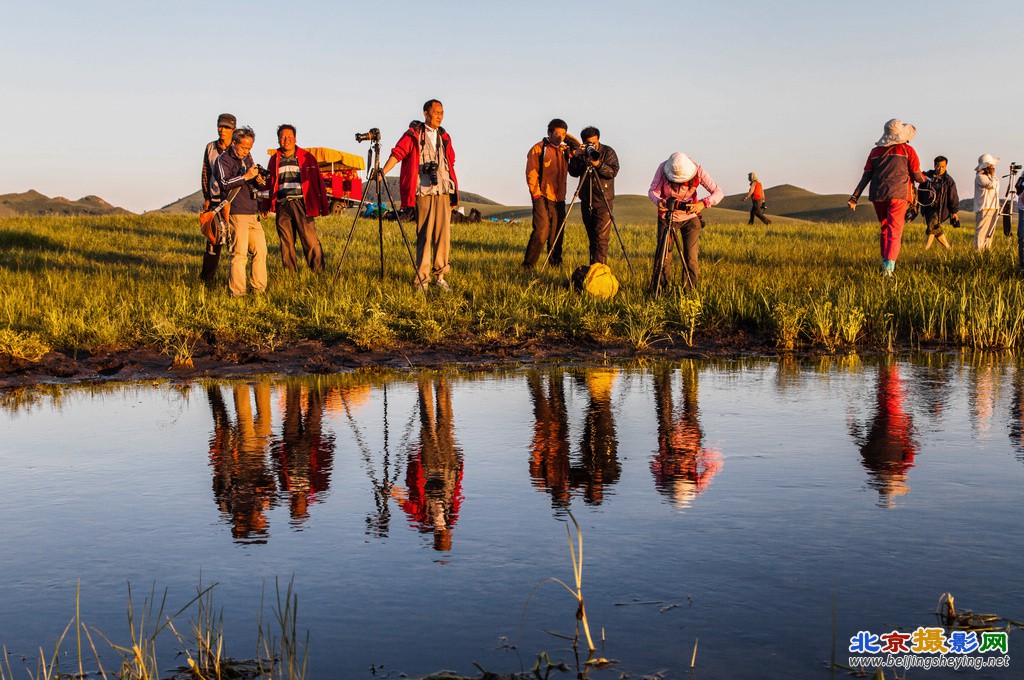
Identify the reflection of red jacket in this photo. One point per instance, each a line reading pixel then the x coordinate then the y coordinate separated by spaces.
pixel 408 151
pixel 314 192
pixel 415 506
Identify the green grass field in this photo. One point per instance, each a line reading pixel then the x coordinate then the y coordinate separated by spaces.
pixel 121 282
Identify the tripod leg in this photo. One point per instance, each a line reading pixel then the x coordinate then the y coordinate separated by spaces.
pixel 561 227
pixel 608 207
pixel 398 219
pixel 688 282
pixel 662 251
pixel 348 241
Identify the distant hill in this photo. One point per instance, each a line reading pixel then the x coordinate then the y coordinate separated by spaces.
pixel 34 203
pixel 193 203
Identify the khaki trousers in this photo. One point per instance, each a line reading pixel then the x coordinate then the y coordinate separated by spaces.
pixel 248 238
pixel 433 232
pixel 985 224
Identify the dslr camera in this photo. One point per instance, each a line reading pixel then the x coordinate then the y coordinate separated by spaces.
pixel 372 135
pixel 431 170
pixel 1014 167
pixel 592 152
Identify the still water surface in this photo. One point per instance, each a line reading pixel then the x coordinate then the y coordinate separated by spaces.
pixel 741 503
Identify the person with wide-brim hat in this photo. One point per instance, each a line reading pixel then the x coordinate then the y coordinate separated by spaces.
pixel 986 201
pixel 677 179
pixel 891 168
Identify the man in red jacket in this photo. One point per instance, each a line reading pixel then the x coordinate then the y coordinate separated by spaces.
pixel 427 183
pixel 297 195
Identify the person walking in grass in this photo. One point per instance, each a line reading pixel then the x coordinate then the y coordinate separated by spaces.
pixel 944 204
pixel 756 196
pixel 891 168
pixel 986 201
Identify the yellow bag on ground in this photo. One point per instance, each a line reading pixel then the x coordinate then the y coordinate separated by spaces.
pixel 600 282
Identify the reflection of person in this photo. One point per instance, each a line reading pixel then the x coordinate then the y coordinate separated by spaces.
pixel 243 487
pixel 211 190
pixel 599 463
pixel 597 195
pixel 238 175
pixel 887 444
pixel 428 183
pixel 549 448
pixel 547 163
pixel 891 167
pixel 682 468
pixel 304 453
pixel 986 201
pixel 678 179
pixel 434 476
pixel 944 206
pixel 1017 412
pixel 297 195
pixel 756 196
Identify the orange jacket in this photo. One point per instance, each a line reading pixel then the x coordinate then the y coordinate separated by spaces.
pixel 549 181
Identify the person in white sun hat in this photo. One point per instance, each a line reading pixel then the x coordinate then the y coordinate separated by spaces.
pixel 986 201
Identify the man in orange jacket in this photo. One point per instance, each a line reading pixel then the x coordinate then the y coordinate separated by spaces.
pixel 547 165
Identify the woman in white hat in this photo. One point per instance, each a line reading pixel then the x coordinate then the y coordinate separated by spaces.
pixel 675 184
pixel 891 168
pixel 986 201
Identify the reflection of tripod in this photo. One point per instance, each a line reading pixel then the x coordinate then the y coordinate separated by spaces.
pixel 1006 209
pixel 591 174
pixel 664 248
pixel 377 178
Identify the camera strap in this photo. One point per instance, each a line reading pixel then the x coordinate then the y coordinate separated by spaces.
pixel 540 170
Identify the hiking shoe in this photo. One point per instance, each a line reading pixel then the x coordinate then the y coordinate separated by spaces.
pixel 443 285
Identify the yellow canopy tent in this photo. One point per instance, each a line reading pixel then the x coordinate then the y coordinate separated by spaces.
pixel 338 160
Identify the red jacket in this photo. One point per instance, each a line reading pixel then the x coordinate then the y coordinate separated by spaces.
pixel 408 151
pixel 314 192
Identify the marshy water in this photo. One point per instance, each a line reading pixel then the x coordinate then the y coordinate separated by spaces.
pixel 772 509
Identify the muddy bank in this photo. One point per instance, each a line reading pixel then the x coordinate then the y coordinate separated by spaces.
pixel 311 357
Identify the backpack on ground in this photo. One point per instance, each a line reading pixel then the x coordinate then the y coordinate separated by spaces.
pixel 597 280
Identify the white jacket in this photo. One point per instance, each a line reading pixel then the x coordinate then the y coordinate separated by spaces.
pixel 986 192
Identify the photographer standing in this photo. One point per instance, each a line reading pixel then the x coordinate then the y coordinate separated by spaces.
pixel 240 177
pixel 211 190
pixel 598 165
pixel 891 168
pixel 546 166
pixel 674 191
pixel 297 195
pixel 944 205
pixel 427 183
pixel 756 196
pixel 986 201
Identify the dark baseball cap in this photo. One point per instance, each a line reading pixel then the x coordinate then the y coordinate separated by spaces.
pixel 226 120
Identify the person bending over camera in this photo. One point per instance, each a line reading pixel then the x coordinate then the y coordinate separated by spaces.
pixel 674 191
pixel 297 195
pixel 239 177
pixel 597 164
pixel 427 183
pixel 546 166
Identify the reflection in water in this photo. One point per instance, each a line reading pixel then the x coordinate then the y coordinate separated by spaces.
pixel 243 486
pixel 549 448
pixel 984 387
pixel 597 464
pixel 887 444
pixel 304 453
pixel 1017 413
pixel 434 476
pixel 682 468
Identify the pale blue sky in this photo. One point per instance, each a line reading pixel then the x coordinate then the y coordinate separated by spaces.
pixel 119 99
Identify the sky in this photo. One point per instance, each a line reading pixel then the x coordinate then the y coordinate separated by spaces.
pixel 119 99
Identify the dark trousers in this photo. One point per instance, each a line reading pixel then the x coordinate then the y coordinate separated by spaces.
pixel 932 225
pixel 547 218
pixel 689 230
pixel 211 256
pixel 292 222
pixel 597 219
pixel 757 210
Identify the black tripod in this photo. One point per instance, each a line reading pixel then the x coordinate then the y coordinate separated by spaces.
pixel 377 178
pixel 663 251
pixel 589 173
pixel 1006 209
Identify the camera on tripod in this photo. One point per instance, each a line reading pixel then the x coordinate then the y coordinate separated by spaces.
pixel 1014 167
pixel 430 169
pixel 372 135
pixel 592 152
